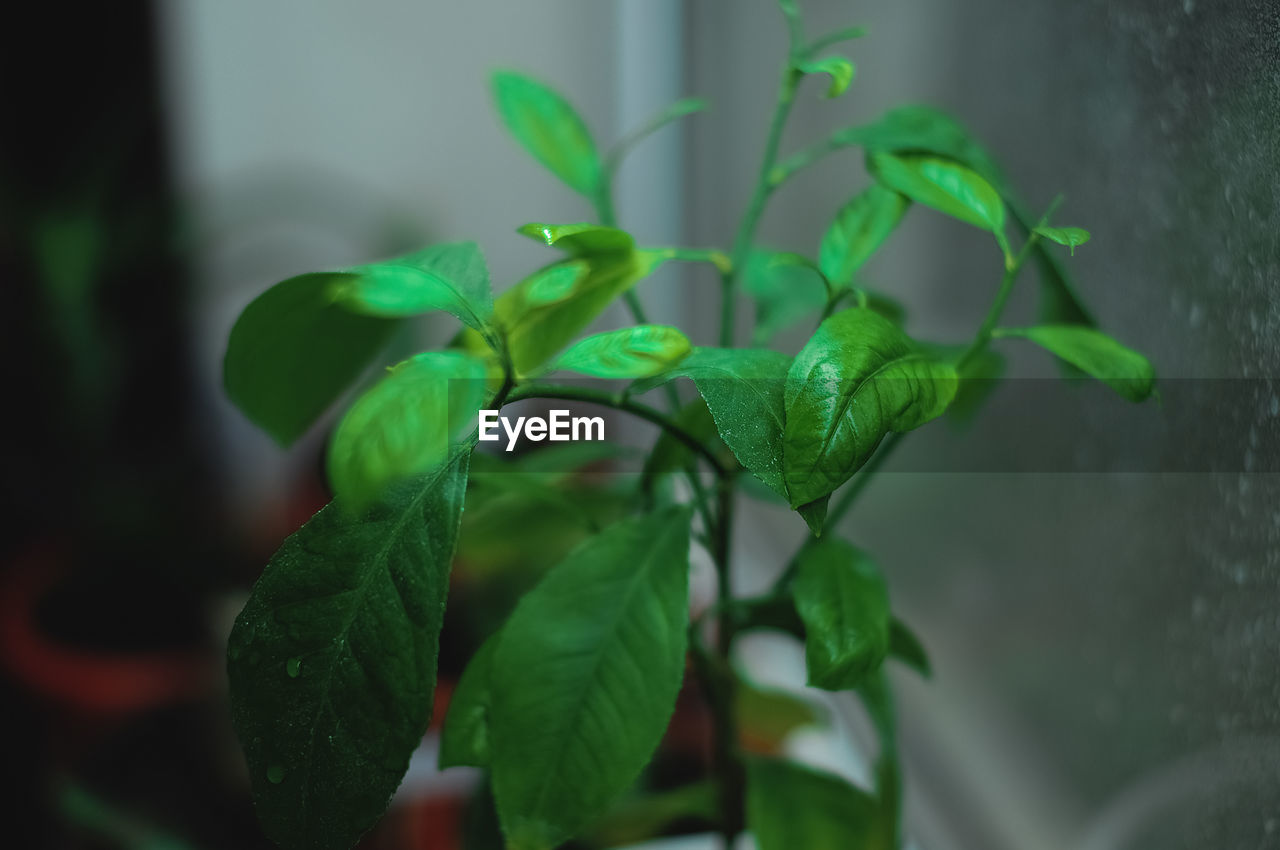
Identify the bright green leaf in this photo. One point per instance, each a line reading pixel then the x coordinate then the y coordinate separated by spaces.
pixel 546 310
pixel 635 352
pixel 405 424
pixel 332 662
pixel 451 277
pixel 945 186
pixel 293 351
pixel 791 807
pixel 580 239
pixel 844 604
pixel 839 68
pixel 1096 354
pixel 743 388
pixel 858 378
pixel 860 227
pixel 585 678
pixel 549 128
pixel 1069 236
pixel 465 739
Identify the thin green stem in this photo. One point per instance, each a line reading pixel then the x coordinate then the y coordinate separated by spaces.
pixel 755 209
pixel 626 405
pixel 824 41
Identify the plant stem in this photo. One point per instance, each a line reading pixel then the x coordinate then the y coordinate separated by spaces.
pixel 626 405
pixel 751 218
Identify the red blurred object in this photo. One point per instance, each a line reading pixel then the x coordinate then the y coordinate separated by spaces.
pixel 94 682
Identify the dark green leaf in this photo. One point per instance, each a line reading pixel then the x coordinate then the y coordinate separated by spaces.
pixel 905 646
pixel 858 378
pixel 635 352
pixel 332 662
pixel 1123 369
pixel 784 292
pixel 549 128
pixel 844 604
pixel 585 678
pixel 1069 236
pixel 839 68
pixel 293 351
pixel 450 277
pixel 946 186
pixel 405 424
pixel 465 739
pixel 580 240
pixel 814 514
pixel 670 454
pixel 860 227
pixel 790 807
pixel 743 388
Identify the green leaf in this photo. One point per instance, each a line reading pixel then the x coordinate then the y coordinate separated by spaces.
pixel 585 678
pixel 549 128
pixel 858 378
pixel 814 514
pixel 844 604
pixel 979 377
pixel 580 240
pixel 642 816
pixel 860 227
pixel 404 425
pixel 1069 236
pixel 1093 352
pixel 791 807
pixel 670 454
pixel 450 277
pixel 293 351
pixel 546 310
pixel 945 186
pixel 839 68
pixel 784 292
pixel 922 129
pixel 905 646
pixel 465 738
pixel 635 352
pixel 332 662
pixel 743 388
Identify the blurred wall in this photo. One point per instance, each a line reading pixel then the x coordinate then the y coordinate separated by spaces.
pixel 1098 584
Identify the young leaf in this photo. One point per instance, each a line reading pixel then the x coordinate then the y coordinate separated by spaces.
pixel 546 310
pixel 839 68
pixel 404 425
pixel 858 378
pixel 465 738
pixel 905 646
pixel 585 677
pixel 1069 236
pixel 946 186
pixel 635 352
pixel 332 662
pixel 922 129
pixel 844 604
pixel 549 128
pixel 791 807
pixel 743 388
pixel 1093 352
pixel 580 239
pixel 784 293
pixel 293 351
pixel 451 277
pixel 860 227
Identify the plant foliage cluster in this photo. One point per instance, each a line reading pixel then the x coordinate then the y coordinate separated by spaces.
pixel 332 662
